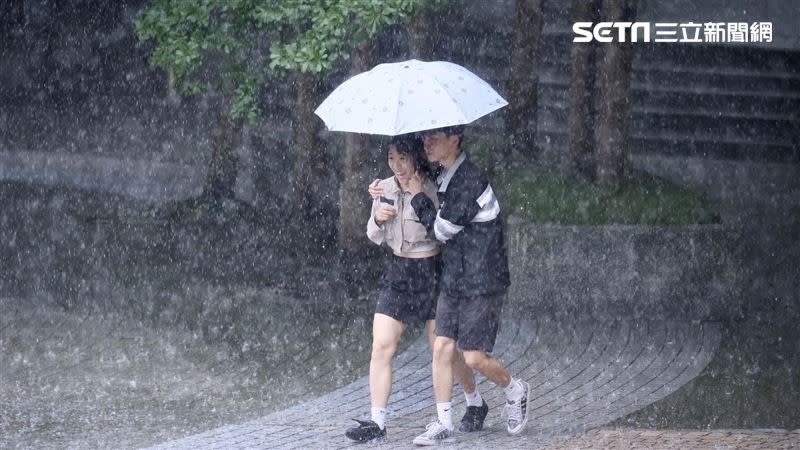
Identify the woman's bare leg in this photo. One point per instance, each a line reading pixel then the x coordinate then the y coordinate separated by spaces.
pixel 386 334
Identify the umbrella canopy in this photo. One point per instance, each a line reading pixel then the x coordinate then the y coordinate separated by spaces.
pixel 404 97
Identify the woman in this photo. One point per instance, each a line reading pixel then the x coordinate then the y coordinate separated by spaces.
pixel 408 289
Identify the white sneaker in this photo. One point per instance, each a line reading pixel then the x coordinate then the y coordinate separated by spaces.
pixel 517 411
pixel 434 433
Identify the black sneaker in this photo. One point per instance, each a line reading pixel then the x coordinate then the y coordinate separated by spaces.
pixel 366 430
pixel 473 418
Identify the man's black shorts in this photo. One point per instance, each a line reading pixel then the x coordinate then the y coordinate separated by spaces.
pixel 473 321
pixel 409 289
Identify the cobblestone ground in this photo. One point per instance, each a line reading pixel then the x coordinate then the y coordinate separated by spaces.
pixel 672 439
pixel 583 373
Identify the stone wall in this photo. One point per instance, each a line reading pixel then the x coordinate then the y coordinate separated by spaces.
pixel 624 269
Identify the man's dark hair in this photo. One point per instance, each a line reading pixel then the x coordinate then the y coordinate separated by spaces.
pixel 453 130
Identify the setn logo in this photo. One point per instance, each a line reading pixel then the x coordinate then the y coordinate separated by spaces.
pixel 603 31
pixel 672 32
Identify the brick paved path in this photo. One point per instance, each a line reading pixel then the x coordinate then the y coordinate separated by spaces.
pixel 583 373
pixel 669 439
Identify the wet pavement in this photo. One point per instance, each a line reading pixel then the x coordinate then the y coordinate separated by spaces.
pixel 689 439
pixel 583 372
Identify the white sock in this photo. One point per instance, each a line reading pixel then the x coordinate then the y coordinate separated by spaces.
pixel 379 416
pixel 445 413
pixel 474 398
pixel 514 390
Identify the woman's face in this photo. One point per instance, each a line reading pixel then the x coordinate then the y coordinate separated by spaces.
pixel 402 165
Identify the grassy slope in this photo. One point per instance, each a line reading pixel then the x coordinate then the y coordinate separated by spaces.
pixel 546 196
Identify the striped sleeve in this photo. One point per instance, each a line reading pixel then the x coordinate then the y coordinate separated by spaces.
pixel 471 201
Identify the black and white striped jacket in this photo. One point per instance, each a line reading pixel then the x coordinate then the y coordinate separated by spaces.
pixel 471 228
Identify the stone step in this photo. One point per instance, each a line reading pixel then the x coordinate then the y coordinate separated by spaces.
pixel 558 108
pixel 493 49
pixel 718 57
pixel 555 140
pixel 749 129
pixel 688 126
pixel 653 80
pixel 709 147
pixel 729 81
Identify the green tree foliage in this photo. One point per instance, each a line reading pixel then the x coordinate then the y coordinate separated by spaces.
pixel 231 46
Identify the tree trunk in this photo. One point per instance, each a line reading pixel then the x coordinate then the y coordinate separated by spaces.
pixel 614 78
pixel 523 80
pixel 312 185
pixel 580 134
pixel 420 42
pixel 354 205
pixel 223 167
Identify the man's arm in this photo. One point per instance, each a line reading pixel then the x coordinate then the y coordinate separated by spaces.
pixel 464 204
pixel 426 211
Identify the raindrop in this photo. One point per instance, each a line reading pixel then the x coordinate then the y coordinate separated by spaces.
pixel 410 91
pixel 347 110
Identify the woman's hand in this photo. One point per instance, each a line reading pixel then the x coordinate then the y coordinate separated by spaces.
pixel 374 189
pixel 384 213
pixel 415 184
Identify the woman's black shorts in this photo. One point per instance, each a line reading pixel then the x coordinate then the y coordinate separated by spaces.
pixel 409 288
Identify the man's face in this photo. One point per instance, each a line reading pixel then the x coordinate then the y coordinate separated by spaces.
pixel 439 145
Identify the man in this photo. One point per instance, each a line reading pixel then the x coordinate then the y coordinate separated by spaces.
pixel 475 280
pixel 408 292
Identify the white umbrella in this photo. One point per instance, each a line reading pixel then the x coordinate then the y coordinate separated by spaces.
pixel 408 96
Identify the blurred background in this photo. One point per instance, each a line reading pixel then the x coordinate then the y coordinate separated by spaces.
pixel 177 228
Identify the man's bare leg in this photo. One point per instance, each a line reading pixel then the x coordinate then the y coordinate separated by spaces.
pixel 444 349
pixel 516 390
pixel 489 366
pixel 463 374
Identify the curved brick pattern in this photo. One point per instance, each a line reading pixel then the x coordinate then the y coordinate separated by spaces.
pixel 584 372
pixel 717 439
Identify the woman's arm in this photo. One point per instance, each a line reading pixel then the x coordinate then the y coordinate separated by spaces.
pixel 381 213
pixel 375 232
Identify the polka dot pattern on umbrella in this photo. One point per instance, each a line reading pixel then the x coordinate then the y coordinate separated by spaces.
pixel 408 96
